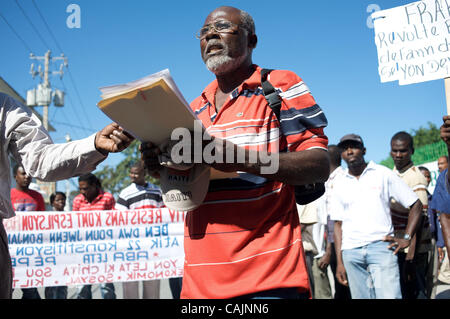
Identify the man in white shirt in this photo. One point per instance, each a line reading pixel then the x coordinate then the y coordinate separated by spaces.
pixel 23 136
pixel 367 262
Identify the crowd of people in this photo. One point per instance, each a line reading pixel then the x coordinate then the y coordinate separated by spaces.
pixel 370 252
pixel 140 194
pixel 247 237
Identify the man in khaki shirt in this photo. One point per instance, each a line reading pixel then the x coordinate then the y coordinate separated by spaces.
pixel 413 262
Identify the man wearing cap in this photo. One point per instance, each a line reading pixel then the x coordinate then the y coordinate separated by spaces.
pixel 365 249
pixel 244 239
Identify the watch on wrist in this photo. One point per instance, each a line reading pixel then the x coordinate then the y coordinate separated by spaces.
pixel 406 237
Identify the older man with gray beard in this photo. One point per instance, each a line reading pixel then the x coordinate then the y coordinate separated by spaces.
pixel 244 240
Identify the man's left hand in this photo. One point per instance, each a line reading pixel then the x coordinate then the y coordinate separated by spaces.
pixel 397 243
pixel 112 139
pixel 324 261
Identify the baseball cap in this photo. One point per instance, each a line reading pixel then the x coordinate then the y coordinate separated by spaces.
pixel 184 189
pixel 351 138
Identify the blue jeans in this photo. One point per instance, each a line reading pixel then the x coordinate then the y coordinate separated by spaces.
pixel 372 272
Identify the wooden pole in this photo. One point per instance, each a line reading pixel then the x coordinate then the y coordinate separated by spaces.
pixel 447 94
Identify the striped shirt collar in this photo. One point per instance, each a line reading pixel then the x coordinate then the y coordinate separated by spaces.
pixel 209 92
pixel 96 199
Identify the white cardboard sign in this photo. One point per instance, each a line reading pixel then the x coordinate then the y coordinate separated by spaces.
pixel 413 42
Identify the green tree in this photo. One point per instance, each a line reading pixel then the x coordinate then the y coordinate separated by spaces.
pixel 424 136
pixel 114 179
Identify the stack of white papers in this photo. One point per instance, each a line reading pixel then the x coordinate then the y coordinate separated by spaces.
pixel 149 108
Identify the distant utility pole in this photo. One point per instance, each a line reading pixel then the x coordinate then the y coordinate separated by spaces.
pixel 43 95
pixel 67 207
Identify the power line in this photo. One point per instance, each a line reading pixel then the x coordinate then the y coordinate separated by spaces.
pixel 17 35
pixel 68 70
pixel 32 25
pixel 47 26
pixel 71 102
pixel 79 97
pixel 66 119
pixel 88 130
pixel 74 126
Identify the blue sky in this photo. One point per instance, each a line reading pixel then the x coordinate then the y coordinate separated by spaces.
pixel 327 43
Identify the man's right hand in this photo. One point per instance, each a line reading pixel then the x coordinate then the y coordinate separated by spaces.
pixel 341 274
pixel 112 139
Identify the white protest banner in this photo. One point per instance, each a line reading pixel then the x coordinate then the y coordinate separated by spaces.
pixel 77 248
pixel 413 42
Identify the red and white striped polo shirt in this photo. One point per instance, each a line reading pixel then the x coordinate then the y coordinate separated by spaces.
pixel 246 237
pixel 103 201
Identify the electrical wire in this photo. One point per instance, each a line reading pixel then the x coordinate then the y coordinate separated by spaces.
pixel 47 26
pixel 32 25
pixel 71 102
pixel 83 108
pixel 74 126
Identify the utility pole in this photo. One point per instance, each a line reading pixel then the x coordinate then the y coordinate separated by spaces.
pixel 67 207
pixel 42 96
pixel 46 85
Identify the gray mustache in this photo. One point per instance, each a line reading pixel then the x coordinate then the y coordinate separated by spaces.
pixel 214 42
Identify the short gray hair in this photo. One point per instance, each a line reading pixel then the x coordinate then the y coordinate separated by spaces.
pixel 247 22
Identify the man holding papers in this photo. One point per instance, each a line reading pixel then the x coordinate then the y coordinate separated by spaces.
pixel 244 239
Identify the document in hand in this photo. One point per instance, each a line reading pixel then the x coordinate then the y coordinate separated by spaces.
pixel 149 108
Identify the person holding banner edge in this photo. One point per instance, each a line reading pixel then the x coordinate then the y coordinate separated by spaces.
pixel 25 199
pixel 23 136
pixel 58 202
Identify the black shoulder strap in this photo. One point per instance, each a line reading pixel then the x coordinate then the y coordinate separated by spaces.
pixel 304 194
pixel 271 95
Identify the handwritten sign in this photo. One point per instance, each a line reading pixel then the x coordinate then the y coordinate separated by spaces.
pixel 76 248
pixel 413 42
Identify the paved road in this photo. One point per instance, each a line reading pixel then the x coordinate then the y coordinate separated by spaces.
pixel 72 293
pixel 441 291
